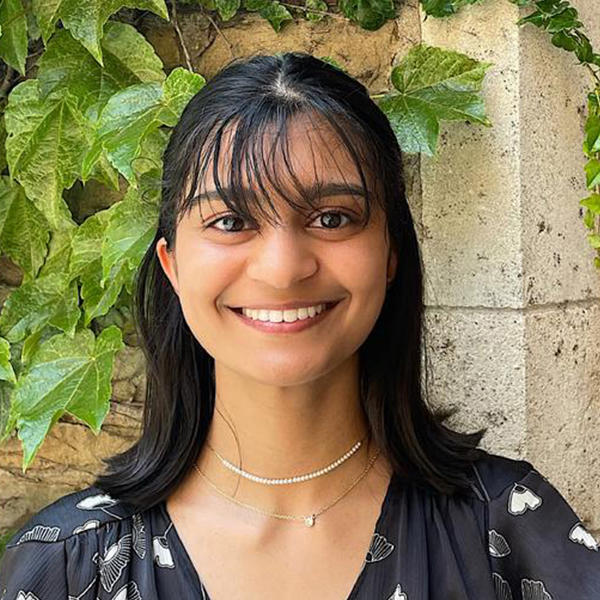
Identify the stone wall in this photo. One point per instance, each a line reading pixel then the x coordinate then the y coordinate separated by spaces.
pixel 511 292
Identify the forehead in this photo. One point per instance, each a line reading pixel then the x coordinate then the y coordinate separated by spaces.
pixel 301 158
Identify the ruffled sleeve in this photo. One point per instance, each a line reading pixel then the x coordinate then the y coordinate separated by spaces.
pixel 539 548
pixel 33 570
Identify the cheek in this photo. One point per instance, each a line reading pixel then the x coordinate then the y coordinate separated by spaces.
pixel 362 267
pixel 204 273
pixel 361 270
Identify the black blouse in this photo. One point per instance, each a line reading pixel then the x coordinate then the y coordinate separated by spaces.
pixel 513 538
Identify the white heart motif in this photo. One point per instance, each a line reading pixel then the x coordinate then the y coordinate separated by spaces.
pixel 580 535
pixel 522 498
pixel 398 594
pixel 162 553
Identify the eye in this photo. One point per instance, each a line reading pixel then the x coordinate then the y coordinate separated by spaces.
pixel 334 222
pixel 227 218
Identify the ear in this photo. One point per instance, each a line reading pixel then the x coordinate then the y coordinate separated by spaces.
pixel 167 261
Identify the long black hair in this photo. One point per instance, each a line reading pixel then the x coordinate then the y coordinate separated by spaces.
pixel 256 93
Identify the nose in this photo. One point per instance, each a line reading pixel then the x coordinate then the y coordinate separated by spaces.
pixel 281 258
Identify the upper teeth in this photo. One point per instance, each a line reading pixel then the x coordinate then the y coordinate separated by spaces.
pixel 289 316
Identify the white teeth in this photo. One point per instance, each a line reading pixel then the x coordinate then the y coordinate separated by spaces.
pixel 289 316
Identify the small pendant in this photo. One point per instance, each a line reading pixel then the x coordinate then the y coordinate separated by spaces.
pixel 309 521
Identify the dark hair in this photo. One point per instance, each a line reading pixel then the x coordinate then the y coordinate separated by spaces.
pixel 252 94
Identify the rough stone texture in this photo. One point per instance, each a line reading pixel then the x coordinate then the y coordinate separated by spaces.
pixel 496 211
pixel 563 411
pixel 511 289
pixel 486 382
pixel 68 460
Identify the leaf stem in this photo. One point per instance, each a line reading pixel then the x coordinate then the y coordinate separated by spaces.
pixel 594 73
pixel 186 54
pixel 212 21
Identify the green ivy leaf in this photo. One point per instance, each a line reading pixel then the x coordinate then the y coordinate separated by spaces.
pixel 433 84
pixel 567 19
pixel 179 88
pixel 24 231
pixel 134 113
pixel 591 142
pixel 552 7
pixel 85 19
pixel 13 42
pixel 276 14
pixel 589 220
pixel 48 300
pixel 594 240
pixel 564 40
pixel 129 232
pixel 369 14
pixel 592 203
pixel 584 50
pixel 592 172
pixel 227 8
pixel 535 18
pixel 65 375
pixel 6 370
pixel 45 146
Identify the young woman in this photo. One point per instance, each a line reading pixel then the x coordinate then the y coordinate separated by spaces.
pixel 287 448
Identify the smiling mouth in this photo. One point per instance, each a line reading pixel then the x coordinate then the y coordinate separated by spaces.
pixel 279 325
pixel 328 305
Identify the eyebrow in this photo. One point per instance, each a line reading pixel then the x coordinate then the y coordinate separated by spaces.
pixel 326 190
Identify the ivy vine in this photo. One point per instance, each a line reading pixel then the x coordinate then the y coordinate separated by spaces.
pixel 83 97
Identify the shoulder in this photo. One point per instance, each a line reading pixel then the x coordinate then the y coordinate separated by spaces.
pixel 71 514
pixel 495 473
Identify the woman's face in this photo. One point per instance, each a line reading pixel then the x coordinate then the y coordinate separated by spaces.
pixel 220 261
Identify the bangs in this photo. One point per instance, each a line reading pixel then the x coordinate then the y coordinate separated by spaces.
pixel 249 197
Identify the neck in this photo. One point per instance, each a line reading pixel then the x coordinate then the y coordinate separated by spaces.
pixel 280 432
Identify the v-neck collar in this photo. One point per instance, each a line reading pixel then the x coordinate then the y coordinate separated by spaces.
pixel 189 567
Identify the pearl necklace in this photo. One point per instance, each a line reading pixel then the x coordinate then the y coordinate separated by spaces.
pixel 287 480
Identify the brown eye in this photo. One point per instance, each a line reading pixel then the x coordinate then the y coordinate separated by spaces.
pixel 227 219
pixel 331 219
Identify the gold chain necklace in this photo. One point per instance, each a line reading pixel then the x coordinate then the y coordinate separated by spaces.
pixel 309 520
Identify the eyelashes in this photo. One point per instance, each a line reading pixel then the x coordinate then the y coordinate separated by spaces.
pixel 233 216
